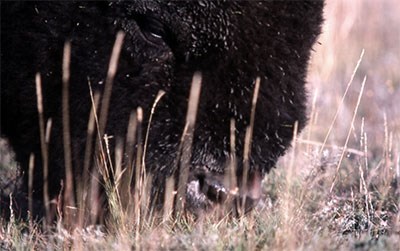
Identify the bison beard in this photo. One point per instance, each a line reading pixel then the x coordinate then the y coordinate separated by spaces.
pixel 232 43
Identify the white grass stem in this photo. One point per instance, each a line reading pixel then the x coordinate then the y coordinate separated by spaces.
pixel 342 101
pixel 348 134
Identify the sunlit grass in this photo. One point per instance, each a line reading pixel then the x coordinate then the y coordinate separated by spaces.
pixel 336 190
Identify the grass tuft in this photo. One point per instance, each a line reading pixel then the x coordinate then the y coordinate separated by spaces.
pixel 338 188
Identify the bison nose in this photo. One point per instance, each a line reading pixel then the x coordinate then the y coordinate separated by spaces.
pixel 211 189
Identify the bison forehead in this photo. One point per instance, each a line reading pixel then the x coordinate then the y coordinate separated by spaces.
pixel 200 29
pixel 196 27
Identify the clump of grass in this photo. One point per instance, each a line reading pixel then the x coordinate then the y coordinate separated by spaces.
pixel 336 190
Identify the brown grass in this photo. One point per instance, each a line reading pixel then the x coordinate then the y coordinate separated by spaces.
pixel 336 190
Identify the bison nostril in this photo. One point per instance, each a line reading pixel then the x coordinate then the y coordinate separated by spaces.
pixel 215 192
pixel 211 187
pixel 204 190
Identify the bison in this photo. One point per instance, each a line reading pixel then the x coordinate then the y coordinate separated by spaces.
pixel 238 50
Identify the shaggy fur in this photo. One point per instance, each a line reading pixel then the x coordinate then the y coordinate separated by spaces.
pixel 229 42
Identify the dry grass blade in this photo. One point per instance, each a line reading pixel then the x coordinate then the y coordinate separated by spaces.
pixel 168 198
pixel 94 180
pixel 90 131
pixel 138 170
pixel 112 69
pixel 124 184
pixel 69 200
pixel 320 144
pixel 30 182
pixel 231 175
pixel 342 101
pixel 186 142
pixel 247 144
pixel 43 147
pixel 160 94
pixel 348 133
pixel 84 198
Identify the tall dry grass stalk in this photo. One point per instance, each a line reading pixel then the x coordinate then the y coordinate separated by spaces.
pixel 43 147
pixel 69 197
pixel 349 133
pixel 247 148
pixel 185 148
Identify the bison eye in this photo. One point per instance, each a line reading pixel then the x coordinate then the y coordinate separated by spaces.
pixel 152 28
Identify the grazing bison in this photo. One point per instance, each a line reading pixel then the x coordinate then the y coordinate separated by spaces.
pixel 232 44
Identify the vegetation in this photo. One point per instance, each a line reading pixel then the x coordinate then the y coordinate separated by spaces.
pixel 337 188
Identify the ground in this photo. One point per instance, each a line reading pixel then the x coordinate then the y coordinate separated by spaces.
pixel 319 197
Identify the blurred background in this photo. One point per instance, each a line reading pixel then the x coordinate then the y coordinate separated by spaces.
pixel 346 198
pixel 351 27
